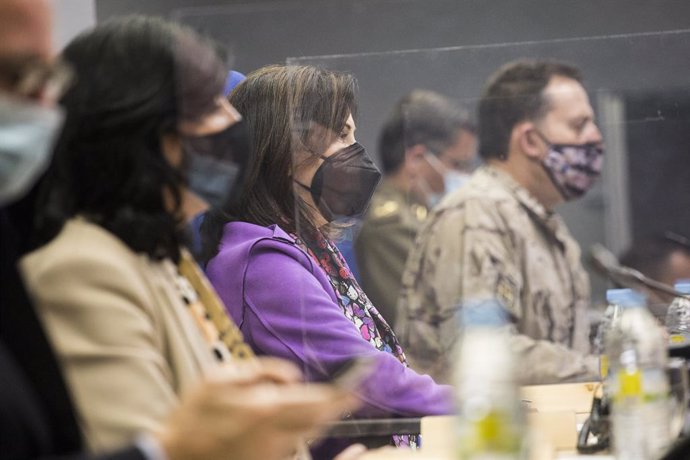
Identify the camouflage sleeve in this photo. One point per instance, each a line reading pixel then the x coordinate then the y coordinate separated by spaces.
pixel 425 326
pixel 427 309
pixel 544 362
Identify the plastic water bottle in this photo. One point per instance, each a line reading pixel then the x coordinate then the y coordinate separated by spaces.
pixel 490 423
pixel 611 317
pixel 637 381
pixel 678 316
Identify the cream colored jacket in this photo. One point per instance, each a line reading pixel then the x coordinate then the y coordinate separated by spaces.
pixel 127 344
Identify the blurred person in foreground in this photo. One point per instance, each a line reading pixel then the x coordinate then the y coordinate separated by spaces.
pixel 271 258
pixel 119 352
pixel 500 237
pixel 211 180
pixel 427 148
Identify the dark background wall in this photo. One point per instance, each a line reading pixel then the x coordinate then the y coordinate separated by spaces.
pixel 659 158
pixel 632 50
pixel 263 32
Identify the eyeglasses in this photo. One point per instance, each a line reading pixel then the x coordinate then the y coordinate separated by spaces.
pixel 33 78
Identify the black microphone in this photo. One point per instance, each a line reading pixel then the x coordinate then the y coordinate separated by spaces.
pixel 606 263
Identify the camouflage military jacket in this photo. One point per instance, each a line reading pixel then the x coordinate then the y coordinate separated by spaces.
pixel 384 241
pixel 493 239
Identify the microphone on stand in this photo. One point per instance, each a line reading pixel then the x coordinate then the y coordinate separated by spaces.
pixel 606 263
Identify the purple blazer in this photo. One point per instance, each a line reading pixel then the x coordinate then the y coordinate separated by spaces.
pixel 285 306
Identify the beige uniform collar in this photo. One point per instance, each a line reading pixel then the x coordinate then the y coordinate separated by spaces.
pixel 551 222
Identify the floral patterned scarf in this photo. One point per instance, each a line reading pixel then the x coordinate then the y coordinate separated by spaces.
pixel 357 307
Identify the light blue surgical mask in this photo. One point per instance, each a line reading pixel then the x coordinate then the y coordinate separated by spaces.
pixel 433 199
pixel 27 134
pixel 452 179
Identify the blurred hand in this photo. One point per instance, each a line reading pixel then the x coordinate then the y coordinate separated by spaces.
pixel 256 410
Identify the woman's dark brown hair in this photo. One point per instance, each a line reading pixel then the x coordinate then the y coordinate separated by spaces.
pixel 288 109
pixel 138 77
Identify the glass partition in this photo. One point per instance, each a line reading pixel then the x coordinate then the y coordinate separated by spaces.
pixel 637 85
pixel 638 88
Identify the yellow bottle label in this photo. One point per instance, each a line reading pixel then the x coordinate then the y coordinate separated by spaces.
pixel 489 429
pixel 492 433
pixel 603 366
pixel 630 383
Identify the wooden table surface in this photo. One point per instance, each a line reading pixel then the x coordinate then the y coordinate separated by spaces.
pixel 556 412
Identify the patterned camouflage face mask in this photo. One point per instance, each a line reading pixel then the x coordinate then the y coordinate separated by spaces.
pixel 573 168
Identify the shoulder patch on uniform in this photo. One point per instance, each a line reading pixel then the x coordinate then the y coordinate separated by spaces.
pixel 506 291
pixel 420 212
pixel 385 209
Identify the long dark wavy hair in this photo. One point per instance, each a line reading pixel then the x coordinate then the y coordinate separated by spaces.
pixel 138 77
pixel 287 109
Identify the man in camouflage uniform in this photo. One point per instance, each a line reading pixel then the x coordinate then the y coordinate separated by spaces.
pixel 426 147
pixel 499 238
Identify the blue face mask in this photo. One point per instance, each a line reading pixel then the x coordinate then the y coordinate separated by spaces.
pixel 214 163
pixel 452 179
pixel 211 179
pixel 27 133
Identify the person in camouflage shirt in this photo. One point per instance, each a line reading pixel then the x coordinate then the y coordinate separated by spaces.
pixel 498 237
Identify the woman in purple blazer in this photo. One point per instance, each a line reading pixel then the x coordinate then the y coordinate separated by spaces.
pixel 269 253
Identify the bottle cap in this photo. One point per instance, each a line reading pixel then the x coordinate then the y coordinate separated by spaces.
pixel 613 294
pixel 484 313
pixel 626 298
pixel 683 286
